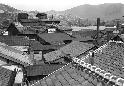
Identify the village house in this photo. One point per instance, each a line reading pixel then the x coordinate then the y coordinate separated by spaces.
pixel 42 15
pixel 32 68
pixel 31 47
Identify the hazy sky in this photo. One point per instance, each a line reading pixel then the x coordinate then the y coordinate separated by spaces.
pixel 58 5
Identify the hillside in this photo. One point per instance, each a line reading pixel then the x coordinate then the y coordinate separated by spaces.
pixel 83 15
pixel 6 8
pixel 87 14
pixel 105 11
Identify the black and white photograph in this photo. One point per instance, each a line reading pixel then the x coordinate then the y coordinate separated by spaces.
pixel 62 43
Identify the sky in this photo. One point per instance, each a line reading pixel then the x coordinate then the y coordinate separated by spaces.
pixel 58 5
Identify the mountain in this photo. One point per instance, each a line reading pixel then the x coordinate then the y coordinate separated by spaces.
pixel 105 11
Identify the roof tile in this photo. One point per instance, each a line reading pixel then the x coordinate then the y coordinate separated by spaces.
pixel 14 40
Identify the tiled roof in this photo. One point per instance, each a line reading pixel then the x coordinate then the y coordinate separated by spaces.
pixel 7 77
pixel 73 49
pixel 76 48
pixel 28 32
pixel 18 26
pixel 110 58
pixel 14 40
pixel 22 41
pixel 24 29
pixel 14 55
pixel 35 45
pixel 54 55
pixel 54 37
pixel 42 69
pixel 84 33
pixel 79 38
pixel 78 75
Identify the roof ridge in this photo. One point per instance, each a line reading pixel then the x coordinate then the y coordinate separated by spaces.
pixel 52 73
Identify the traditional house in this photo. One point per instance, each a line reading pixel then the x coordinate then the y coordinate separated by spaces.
pixel 42 15
pixel 16 29
pixel 12 30
pixel 39 50
pixel 32 47
pixel 42 20
pixel 22 16
pixel 51 28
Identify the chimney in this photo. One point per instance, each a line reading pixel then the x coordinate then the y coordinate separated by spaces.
pixel 98 24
